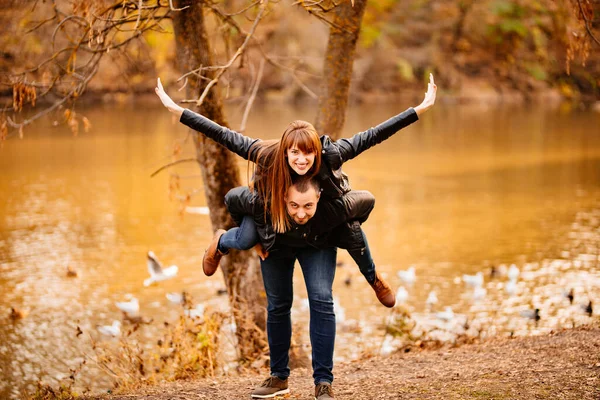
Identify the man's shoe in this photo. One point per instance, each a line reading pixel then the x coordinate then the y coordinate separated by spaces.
pixel 212 255
pixel 323 391
pixel 271 387
pixel 384 292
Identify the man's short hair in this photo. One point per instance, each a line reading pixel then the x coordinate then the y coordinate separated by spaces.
pixel 303 183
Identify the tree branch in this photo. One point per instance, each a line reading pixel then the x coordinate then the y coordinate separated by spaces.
pixel 257 81
pixel 585 21
pixel 235 56
pixel 171 164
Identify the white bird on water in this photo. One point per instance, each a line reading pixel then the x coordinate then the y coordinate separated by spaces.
pixel 401 295
pixel 445 315
pixel 513 272
pixel 479 293
pixel 196 312
pixel 176 298
pixel 131 307
pixel 510 288
pixel 407 276
pixel 197 210
pixel 473 280
pixel 157 273
pixel 113 330
pixel 431 299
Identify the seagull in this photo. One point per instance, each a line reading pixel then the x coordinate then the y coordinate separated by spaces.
pixel 157 273
pixel 570 295
pixel 131 307
pixel 407 276
pixel 176 298
pixel 340 313
pixel 196 312
pixel 589 310
pixel 511 288
pixel 479 293
pixel 16 314
pixel 113 330
pixel 513 272
pixel 401 295
pixel 71 272
pixel 498 271
pixel 473 280
pixel 348 280
pixel 445 315
pixel 386 346
pixel 431 299
pixel 197 210
pixel 531 314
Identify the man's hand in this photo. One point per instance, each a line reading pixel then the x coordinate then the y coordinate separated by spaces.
pixel 166 100
pixel 261 251
pixel 429 100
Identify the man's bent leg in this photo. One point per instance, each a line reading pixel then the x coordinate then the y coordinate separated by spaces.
pixel 277 272
pixel 318 267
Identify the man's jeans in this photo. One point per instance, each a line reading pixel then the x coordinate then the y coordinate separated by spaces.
pixel 318 268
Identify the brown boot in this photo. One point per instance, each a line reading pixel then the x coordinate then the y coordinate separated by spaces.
pixel 384 292
pixel 323 391
pixel 212 255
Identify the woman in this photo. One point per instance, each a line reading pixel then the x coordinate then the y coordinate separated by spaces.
pixel 300 151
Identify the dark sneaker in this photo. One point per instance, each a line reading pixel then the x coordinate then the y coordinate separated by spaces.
pixel 384 292
pixel 323 391
pixel 271 387
pixel 212 255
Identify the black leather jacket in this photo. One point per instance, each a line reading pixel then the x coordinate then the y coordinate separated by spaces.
pixel 334 182
pixel 332 224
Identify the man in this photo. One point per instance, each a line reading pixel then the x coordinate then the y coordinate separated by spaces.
pixel 308 242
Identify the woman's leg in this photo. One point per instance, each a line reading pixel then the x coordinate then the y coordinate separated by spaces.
pixel 242 238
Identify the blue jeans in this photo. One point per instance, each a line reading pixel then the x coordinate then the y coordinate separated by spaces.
pixel 245 237
pixel 242 238
pixel 318 268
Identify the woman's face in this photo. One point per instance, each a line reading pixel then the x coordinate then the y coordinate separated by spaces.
pixel 299 161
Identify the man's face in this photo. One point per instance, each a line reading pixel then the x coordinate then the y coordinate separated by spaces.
pixel 301 206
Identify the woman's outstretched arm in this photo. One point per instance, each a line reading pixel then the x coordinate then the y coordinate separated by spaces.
pixel 232 140
pixel 352 147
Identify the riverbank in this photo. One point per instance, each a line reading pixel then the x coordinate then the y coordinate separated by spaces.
pixel 562 365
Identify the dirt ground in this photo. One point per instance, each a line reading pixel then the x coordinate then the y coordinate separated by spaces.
pixel 563 365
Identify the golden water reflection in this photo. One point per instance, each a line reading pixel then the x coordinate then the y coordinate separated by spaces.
pixel 464 189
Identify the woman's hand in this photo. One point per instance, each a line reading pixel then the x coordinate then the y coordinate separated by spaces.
pixel 429 97
pixel 261 251
pixel 166 100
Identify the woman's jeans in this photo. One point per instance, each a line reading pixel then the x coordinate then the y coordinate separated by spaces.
pixel 245 237
pixel 318 268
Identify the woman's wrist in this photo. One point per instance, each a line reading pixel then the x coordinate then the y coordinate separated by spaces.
pixel 420 109
pixel 177 110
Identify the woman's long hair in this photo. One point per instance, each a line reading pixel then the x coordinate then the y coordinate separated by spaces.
pixel 273 174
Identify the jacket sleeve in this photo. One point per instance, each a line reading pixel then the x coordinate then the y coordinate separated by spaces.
pixel 350 148
pixel 240 201
pixel 355 205
pixel 232 140
pixel 358 205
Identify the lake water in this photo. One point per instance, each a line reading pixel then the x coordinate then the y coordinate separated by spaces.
pixel 465 188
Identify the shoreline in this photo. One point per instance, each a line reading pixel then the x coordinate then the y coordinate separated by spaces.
pixel 564 363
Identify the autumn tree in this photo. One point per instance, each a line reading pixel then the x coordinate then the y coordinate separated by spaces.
pixel 82 34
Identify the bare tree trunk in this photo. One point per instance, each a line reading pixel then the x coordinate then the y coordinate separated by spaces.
pixel 220 173
pixel 337 68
